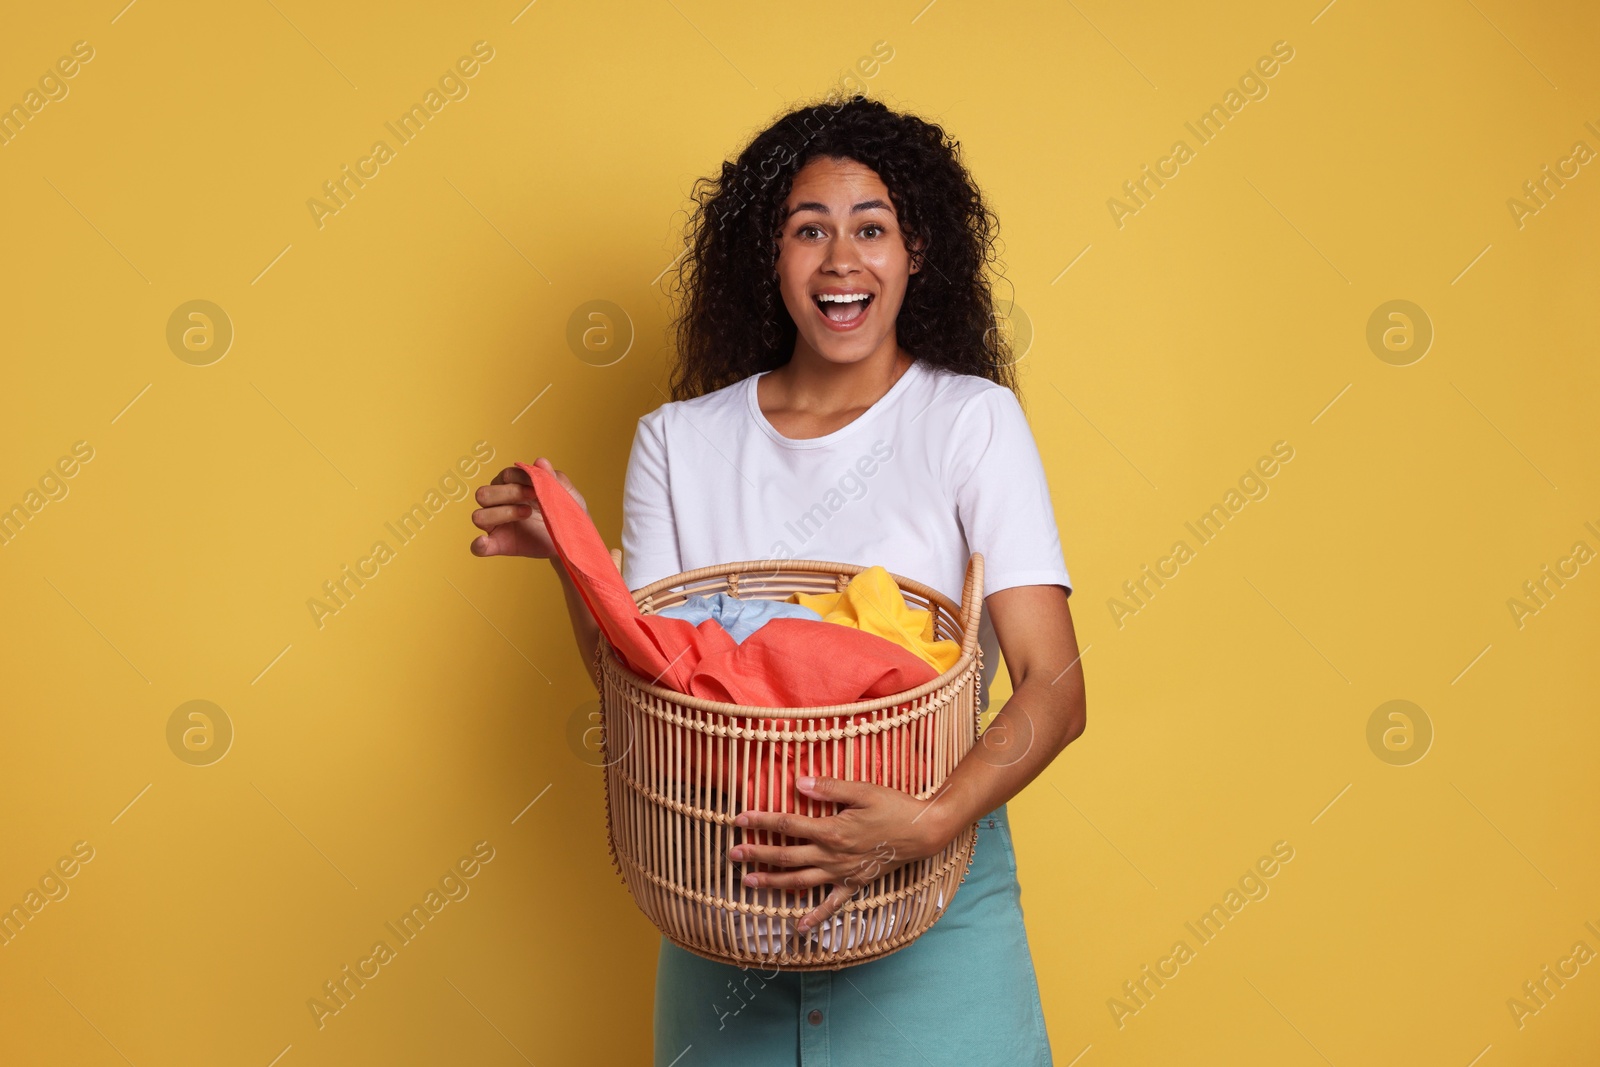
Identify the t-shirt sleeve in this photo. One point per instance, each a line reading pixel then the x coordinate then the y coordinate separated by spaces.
pixel 1002 496
pixel 649 535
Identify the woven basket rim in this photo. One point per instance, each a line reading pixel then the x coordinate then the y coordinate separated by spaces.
pixel 967 614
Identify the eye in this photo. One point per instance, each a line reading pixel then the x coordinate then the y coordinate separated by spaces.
pixel 873 226
pixel 807 227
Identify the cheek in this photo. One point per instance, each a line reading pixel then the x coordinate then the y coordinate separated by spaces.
pixel 799 306
pixel 797 261
pixel 891 263
pixel 794 299
pixel 891 270
pixel 794 278
pixel 889 305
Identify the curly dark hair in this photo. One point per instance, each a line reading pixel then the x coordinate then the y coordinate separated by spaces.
pixel 732 321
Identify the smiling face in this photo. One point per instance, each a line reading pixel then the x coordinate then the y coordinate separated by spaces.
pixel 842 261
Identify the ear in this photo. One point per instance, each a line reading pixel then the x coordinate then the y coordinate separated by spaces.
pixel 918 246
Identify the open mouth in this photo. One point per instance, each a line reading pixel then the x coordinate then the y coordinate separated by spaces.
pixel 842 308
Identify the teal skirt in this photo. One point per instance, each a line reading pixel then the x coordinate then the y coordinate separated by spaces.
pixel 963 994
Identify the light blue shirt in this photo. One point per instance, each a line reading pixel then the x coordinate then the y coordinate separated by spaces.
pixel 740 618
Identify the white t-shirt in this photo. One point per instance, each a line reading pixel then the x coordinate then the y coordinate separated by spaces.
pixel 943 465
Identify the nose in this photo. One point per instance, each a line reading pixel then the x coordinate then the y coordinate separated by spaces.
pixel 842 256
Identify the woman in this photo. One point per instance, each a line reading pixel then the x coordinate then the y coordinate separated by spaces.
pixel 842 394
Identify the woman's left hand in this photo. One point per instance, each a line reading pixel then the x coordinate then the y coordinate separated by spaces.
pixel 881 829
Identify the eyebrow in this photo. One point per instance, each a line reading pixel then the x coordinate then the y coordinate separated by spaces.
pixel 812 205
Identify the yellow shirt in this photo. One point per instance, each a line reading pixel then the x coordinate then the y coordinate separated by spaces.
pixel 873 602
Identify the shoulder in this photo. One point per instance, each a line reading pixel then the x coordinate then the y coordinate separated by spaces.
pixel 959 387
pixel 986 434
pixel 969 400
pixel 709 409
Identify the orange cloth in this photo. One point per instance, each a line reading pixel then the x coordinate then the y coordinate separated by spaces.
pixel 787 663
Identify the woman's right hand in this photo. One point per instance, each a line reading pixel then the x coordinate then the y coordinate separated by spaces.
pixel 510 517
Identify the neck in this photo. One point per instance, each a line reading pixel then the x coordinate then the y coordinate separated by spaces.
pixel 811 382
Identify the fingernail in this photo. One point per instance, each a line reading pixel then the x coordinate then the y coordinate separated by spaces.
pixel 750 879
pixel 740 820
pixel 806 781
pixel 736 854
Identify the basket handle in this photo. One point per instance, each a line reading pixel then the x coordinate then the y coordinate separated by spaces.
pixel 971 603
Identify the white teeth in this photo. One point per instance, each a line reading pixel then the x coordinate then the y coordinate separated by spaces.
pixel 842 298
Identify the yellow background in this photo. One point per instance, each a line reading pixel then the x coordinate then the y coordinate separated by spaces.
pixel 370 354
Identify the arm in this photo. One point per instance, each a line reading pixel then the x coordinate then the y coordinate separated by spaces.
pixel 1046 711
pixel 584 629
pixel 1003 498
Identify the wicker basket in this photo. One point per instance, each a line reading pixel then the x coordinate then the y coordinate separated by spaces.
pixel 678 769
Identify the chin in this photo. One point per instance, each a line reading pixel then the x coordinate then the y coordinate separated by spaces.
pixel 844 353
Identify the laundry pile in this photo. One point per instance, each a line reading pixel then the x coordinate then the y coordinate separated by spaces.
pixel 861 643
pixel 857 644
